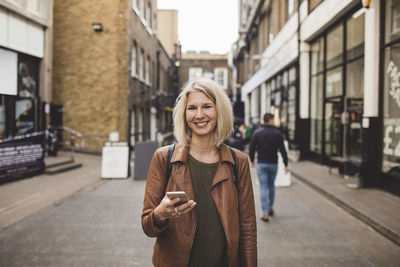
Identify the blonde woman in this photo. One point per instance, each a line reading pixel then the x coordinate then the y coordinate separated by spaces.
pixel 217 226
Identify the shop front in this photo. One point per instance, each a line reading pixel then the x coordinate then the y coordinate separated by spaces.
pixel 390 100
pixel 337 91
pixel 20 104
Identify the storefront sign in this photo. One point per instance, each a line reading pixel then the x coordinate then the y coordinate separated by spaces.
pixel 22 156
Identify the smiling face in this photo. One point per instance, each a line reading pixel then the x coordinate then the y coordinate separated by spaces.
pixel 201 114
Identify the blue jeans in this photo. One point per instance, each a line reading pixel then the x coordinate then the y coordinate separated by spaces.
pixel 266 175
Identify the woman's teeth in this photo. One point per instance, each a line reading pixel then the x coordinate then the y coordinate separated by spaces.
pixel 201 124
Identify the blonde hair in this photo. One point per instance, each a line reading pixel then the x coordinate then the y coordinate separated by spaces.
pixel 222 103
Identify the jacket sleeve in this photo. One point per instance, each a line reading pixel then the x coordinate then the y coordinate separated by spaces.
pixel 247 216
pixel 155 192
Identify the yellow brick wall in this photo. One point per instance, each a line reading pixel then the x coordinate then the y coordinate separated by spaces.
pixel 90 76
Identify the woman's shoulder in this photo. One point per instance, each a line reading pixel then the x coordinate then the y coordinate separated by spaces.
pixel 239 154
pixel 162 151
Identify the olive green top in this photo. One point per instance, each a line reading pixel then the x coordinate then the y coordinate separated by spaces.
pixel 209 244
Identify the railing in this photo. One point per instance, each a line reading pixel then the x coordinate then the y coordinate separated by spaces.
pixel 68 138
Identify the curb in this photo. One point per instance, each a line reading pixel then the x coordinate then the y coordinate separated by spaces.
pixel 373 223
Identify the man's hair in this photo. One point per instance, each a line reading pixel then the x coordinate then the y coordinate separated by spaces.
pixel 223 107
pixel 268 117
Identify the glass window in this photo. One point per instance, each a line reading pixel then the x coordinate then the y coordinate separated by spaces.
pixel 148 14
pixel 221 77
pixel 148 70
pixel 355 79
pixel 195 73
pixel 24 116
pixel 316 113
pixel 270 28
pixel 334 47
pixel 317 56
pixel 285 79
pixel 391 111
pixel 292 75
pixel 141 64
pixel 392 22
pixel 133 60
pixel 355 37
pixel 255 106
pixel 290 7
pixel 334 82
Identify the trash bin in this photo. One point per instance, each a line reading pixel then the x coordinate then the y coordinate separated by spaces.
pixel 143 154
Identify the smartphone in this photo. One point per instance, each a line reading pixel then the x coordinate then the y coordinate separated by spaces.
pixel 182 195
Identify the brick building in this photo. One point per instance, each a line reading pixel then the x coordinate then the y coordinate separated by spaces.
pixel 326 69
pixel 111 73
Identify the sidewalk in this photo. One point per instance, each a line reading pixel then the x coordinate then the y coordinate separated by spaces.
pixel 376 208
pixel 22 198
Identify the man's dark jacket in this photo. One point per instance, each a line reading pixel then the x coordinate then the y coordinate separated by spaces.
pixel 266 141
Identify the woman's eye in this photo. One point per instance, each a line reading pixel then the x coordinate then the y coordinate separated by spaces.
pixel 191 108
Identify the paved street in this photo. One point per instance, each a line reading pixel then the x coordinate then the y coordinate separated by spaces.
pixel 102 228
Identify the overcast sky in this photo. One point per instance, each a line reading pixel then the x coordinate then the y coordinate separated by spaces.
pixel 205 24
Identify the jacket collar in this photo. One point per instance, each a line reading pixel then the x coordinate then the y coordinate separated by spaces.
pixel 181 153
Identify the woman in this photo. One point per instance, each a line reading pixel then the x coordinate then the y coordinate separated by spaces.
pixel 217 226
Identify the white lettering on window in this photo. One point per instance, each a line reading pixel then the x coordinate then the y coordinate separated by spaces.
pixel 394 75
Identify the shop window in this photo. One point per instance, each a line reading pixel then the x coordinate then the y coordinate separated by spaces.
pixel 316 106
pixel 391 111
pixel 334 47
pixel 392 20
pixel 334 82
pixel 355 37
pixel 24 116
pixel 317 56
pixel 355 79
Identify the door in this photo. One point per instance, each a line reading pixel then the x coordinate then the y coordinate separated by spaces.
pixel 333 127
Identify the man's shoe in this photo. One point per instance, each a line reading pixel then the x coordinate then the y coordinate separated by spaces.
pixel 264 218
pixel 271 212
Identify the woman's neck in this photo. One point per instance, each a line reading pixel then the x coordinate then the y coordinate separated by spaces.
pixel 204 151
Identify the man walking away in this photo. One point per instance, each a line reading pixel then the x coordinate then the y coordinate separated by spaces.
pixel 266 141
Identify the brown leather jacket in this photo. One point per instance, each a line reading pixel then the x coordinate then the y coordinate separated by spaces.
pixel 236 210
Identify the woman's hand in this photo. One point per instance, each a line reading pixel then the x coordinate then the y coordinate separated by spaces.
pixel 167 209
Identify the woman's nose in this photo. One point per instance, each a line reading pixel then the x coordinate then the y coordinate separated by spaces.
pixel 199 112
